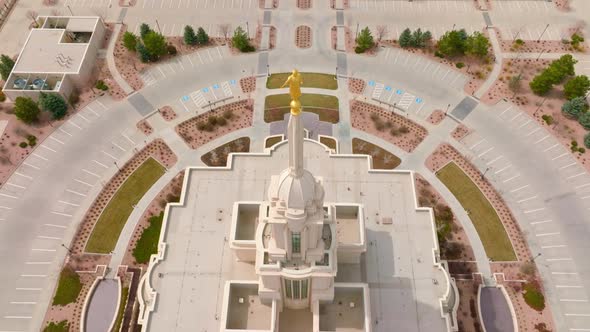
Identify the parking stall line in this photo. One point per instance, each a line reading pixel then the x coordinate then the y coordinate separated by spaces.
pixel 75 192
pixel 542 139
pixel 534 210
pixel 575 176
pixel 541 222
pixel 564 273
pixel 110 155
pixel 43 250
pixel 485 152
pixel 91 173
pixel 33 166
pixel 65 132
pixel 15 185
pixel 565 259
pixel 8 196
pixel 561 155
pixel 583 185
pixel 28 289
pixel 60 214
pixel 68 203
pixel 567 166
pixel 503 169
pixel 494 160
pixel 84 183
pixel 74 124
pixel 24 176
pixel 554 246
pixel 55 139
pixel 48 237
pixel 572 300
pixel 47 148
pixel 39 156
pixel 5 207
pixel 551 147
pixel 119 147
pixel 568 286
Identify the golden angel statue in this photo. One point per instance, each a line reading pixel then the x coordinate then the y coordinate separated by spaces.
pixel 294 80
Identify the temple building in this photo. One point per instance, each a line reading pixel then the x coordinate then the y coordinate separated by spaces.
pixel 325 244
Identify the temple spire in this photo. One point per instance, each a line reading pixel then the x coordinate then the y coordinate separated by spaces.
pixel 295 134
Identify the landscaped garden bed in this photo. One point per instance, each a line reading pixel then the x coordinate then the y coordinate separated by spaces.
pixel 325 106
pixel 485 219
pixel 329 142
pixel 382 159
pixel 467 313
pixel 248 84
pixel 219 156
pixel 436 117
pixel 107 228
pixel 452 240
pixel 356 85
pixel 387 125
pixel 271 141
pixel 167 113
pixel 310 80
pixel 303 36
pixel 208 126
pixel 516 243
pixel 158 150
pixel 460 132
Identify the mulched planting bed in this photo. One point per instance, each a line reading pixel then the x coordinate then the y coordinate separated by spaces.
pixel 248 84
pixel 219 155
pixel 382 159
pixel 303 36
pixel 394 128
pixel 303 4
pixel 436 117
pixel 167 113
pixel 241 117
pixel 356 85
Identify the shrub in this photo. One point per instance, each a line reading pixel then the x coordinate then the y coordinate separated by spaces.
pixel 358 50
pixel 148 241
pixel 519 42
pixel 54 104
pixel 574 108
pixel 6 65
pixel 2 97
pixel 547 118
pixel 202 37
pixel 380 125
pixel 144 29
pixel 438 54
pixel 68 287
pixel 74 97
pixel 221 121
pixel 212 120
pixel 587 141
pixel 581 150
pixel 209 127
pixel 404 129
pixel 364 40
pixel 32 140
pixel 576 87
pixel 584 120
pixel 533 297
pixel 155 44
pixel 57 327
pixel 201 125
pixel 452 43
pixel 26 109
pixel 540 85
pixel 171 49
pixel 101 85
pixel 477 45
pixel 228 114
pixel 394 132
pixel 374 117
pixel 23 144
pixel 129 41
pixel 142 53
pixel 460 65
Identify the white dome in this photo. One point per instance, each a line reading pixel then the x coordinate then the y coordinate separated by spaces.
pixel 298 192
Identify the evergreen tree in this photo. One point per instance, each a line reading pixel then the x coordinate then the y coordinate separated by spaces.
pixel 405 39
pixel 584 120
pixel 129 41
pixel 202 37
pixel 576 87
pixel 144 29
pixel 452 43
pixel 240 41
pixel 574 108
pixel 26 109
pixel 365 40
pixel 587 141
pixel 6 65
pixel 53 103
pixel 142 52
pixel 189 35
pixel 155 44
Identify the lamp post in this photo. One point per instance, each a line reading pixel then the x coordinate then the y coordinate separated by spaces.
pixel 70 9
pixel 248 29
pixel 448 106
pixel 542 33
pixel 533 259
pixel 67 248
pixel 484 173
pixel 158 25
pixel 114 162
pixel 538 108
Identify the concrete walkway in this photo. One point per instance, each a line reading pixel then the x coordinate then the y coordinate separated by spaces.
pixel 111 61
pixel 497 70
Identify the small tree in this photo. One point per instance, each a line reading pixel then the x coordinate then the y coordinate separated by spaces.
pixel 587 141
pixel 561 68
pixel 142 53
pixel 420 38
pixel 381 32
pixel 584 120
pixel 240 40
pixel 6 65
pixel 202 37
pixel 26 109
pixel 129 41
pixel 53 103
pixel 365 40
pixel 452 43
pixel 155 44
pixel 224 30
pixel 576 87
pixel 32 15
pixel 189 35
pixel 144 29
pixel 514 83
pixel 477 45
pixel 405 39
pixel 574 108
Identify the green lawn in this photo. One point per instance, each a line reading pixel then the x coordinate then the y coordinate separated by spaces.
pixel 108 227
pixel 533 297
pixel 68 288
pixel 485 219
pixel 148 242
pixel 276 106
pixel 310 80
pixel 57 327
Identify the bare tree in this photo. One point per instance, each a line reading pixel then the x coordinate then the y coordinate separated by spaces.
pixel 224 30
pixel 381 32
pixel 32 15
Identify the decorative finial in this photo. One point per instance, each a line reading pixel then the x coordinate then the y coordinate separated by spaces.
pixel 294 81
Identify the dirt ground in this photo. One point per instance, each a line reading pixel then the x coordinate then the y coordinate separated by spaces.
pixel 467 314
pixel 564 129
